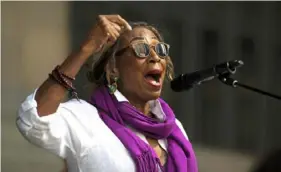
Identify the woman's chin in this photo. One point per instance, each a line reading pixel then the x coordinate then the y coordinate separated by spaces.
pixel 152 94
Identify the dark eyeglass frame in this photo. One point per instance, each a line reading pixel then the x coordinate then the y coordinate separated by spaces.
pixel 121 51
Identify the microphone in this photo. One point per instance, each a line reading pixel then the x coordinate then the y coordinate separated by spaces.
pixel 187 81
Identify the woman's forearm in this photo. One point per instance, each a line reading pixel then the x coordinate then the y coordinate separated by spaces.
pixel 50 94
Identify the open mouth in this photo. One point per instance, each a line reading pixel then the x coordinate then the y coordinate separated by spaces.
pixel 153 77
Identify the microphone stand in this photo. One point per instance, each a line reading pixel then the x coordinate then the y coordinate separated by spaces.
pixel 226 79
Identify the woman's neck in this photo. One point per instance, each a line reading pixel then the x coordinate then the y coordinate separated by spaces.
pixel 142 106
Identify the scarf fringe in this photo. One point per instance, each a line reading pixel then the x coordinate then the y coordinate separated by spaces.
pixel 146 162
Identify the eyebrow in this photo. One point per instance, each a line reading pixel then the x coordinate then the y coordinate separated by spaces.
pixel 141 38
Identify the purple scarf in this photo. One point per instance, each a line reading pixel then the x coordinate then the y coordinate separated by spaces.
pixel 115 115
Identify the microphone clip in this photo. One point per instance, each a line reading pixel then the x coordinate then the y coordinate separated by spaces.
pixel 226 79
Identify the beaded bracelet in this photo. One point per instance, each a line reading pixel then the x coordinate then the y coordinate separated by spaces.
pixel 63 80
pixel 57 69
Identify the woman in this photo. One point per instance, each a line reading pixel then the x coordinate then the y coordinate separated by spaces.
pixel 125 126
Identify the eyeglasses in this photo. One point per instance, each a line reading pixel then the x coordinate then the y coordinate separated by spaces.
pixel 143 50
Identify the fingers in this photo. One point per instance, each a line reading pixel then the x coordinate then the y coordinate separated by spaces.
pixel 104 33
pixel 120 21
pixel 112 32
pixel 113 25
pixel 107 29
pixel 117 27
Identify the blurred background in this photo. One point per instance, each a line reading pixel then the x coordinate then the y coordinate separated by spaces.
pixel 230 128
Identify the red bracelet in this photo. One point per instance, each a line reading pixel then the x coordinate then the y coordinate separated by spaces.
pixel 66 76
pixel 62 79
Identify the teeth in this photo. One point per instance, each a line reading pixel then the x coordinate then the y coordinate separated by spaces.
pixel 153 80
pixel 157 79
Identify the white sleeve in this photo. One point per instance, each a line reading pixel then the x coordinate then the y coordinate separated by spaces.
pixel 49 132
pixel 181 128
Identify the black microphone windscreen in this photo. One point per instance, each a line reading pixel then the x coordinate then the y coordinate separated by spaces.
pixel 177 84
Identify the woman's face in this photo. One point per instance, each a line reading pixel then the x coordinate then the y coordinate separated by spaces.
pixel 140 78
